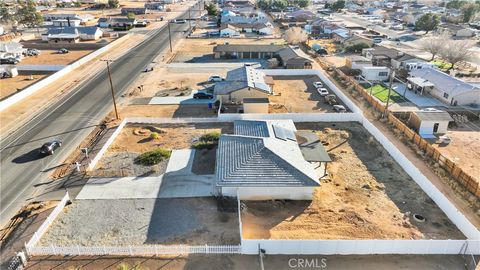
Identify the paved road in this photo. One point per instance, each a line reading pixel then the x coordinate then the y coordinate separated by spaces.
pixel 69 120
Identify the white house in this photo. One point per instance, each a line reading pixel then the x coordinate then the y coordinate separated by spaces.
pixel 68 16
pixel 357 62
pixel 375 74
pixel 448 89
pixel 262 160
pixel 429 123
pixel 229 31
pixel 11 49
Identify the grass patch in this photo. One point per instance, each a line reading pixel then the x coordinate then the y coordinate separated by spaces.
pixel 207 141
pixel 441 64
pixel 381 92
pixel 153 157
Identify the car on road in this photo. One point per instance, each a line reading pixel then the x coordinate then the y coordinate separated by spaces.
pixel 215 78
pixel 323 91
pixel 180 21
pixel 62 51
pixel 339 108
pixel 50 147
pixel 377 40
pixel 202 95
pixel 9 61
pixel 317 84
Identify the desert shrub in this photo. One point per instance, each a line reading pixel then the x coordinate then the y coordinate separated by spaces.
pixel 154 135
pixel 205 144
pixel 210 137
pixel 153 157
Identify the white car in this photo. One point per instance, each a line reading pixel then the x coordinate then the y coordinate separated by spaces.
pixel 339 108
pixel 323 91
pixel 215 78
pixel 317 84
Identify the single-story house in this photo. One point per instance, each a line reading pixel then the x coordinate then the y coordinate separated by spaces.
pixel 72 34
pixel 117 22
pixel 357 39
pixel 242 83
pixel 442 86
pixel 357 62
pixel 83 18
pixel 457 30
pixel 154 6
pixel 429 123
pixel 375 74
pixel 300 16
pixel 255 105
pixel 11 49
pixel 229 31
pixel 67 22
pixel 289 58
pixel 136 11
pixel 380 55
pixel 406 61
pixel 262 160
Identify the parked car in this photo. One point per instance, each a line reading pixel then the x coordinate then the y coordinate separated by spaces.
pixel 331 99
pixel 317 84
pixel 377 40
pixel 202 95
pixel 50 147
pixel 9 61
pixel 31 52
pixel 323 91
pixel 339 108
pixel 215 78
pixel 62 51
pixel 148 69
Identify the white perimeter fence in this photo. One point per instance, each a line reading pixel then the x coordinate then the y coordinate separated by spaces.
pixel 55 76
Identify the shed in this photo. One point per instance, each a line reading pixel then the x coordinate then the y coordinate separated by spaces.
pixel 430 123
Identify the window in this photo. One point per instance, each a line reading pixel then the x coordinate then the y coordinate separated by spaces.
pixel 383 74
pixel 445 95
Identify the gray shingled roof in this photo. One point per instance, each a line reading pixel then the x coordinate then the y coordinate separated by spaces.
pixel 241 78
pixel 433 116
pixel 247 161
pixel 251 128
pixel 443 81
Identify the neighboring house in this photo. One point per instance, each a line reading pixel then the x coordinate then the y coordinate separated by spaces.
pixel 262 160
pixel 357 39
pixel 11 49
pixel 72 34
pixel 448 89
pixel 380 55
pixel 118 22
pixel 154 6
pixel 375 74
pixel 429 123
pixel 300 16
pixel 64 23
pixel 83 18
pixel 288 57
pixel 136 11
pixel 457 30
pixel 248 24
pixel 229 31
pixel 357 62
pixel 406 62
pixel 241 83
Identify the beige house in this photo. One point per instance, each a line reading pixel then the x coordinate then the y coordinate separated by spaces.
pixel 242 83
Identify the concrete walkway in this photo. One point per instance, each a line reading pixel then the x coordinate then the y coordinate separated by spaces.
pixel 418 100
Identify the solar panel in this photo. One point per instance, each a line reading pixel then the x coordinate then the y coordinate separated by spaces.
pixel 283 133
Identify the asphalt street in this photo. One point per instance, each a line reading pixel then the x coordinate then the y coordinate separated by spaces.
pixel 69 120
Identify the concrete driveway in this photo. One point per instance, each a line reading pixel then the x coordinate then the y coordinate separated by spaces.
pixel 184 100
pixel 418 100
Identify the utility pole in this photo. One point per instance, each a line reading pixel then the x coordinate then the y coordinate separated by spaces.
pixel 169 37
pixel 111 87
pixel 389 91
pixel 189 20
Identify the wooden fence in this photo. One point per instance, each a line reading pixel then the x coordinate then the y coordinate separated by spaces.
pixel 447 164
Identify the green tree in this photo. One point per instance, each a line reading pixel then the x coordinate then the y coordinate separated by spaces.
pixel 211 9
pixel 6 16
pixel 427 23
pixel 456 4
pixel 131 15
pixel 303 3
pixel 280 4
pixel 113 4
pixel 336 6
pixel 356 48
pixel 28 15
pixel 469 11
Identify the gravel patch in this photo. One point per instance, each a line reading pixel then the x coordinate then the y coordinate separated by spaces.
pixel 193 221
pixel 122 164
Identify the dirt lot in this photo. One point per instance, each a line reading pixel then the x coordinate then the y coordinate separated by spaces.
pixel 10 86
pixel 193 221
pixel 298 94
pixel 51 57
pixel 465 138
pixel 328 44
pixel 368 196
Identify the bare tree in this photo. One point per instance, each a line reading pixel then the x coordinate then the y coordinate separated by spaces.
pixel 295 35
pixel 435 44
pixel 456 51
